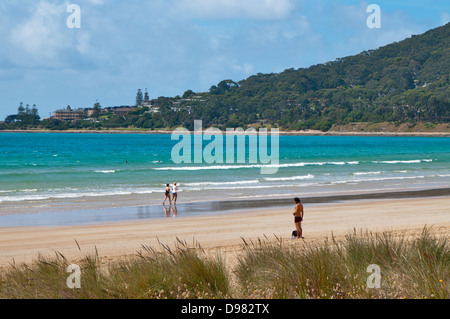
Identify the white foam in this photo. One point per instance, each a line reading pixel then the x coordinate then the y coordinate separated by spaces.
pixel 50 196
pixel 254 187
pixel 388 178
pixel 366 173
pixel 222 183
pixel 106 171
pixel 403 161
pixel 294 178
pixel 225 167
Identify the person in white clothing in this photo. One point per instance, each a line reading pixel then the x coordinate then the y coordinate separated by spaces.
pixel 174 193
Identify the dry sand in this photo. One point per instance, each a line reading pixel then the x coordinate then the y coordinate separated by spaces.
pixel 225 232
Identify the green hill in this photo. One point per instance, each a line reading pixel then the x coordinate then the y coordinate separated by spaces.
pixel 402 82
pixel 407 82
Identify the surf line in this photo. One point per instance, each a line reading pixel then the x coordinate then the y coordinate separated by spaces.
pixel 190 149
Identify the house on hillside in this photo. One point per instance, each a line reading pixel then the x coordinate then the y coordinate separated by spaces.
pixel 121 111
pixel 69 114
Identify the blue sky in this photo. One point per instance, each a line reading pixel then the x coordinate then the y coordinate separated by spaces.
pixel 170 46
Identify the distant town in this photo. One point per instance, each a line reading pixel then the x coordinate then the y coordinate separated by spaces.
pixel 88 113
pixel 72 114
pixel 145 113
pixel 142 101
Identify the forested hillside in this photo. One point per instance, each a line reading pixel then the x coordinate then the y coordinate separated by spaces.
pixel 404 82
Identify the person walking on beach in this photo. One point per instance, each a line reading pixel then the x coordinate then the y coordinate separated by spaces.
pixel 174 192
pixel 298 217
pixel 167 195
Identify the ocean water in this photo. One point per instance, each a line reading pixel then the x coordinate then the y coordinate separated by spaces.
pixel 58 172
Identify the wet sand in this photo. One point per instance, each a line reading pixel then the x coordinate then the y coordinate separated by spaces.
pixel 78 216
pixel 225 231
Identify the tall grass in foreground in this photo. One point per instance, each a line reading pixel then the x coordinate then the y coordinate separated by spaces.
pixel 182 272
pixel 410 268
pixel 416 267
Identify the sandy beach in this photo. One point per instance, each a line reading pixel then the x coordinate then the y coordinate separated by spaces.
pixel 225 232
pixel 442 133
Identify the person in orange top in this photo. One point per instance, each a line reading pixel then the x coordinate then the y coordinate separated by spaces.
pixel 298 217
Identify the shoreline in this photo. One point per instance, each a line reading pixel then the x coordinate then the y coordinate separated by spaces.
pixel 116 241
pixel 118 214
pixel 281 133
pixel 327 199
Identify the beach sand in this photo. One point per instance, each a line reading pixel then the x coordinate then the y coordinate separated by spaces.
pixel 224 232
pixel 380 129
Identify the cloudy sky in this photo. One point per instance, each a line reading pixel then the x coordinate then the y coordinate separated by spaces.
pixel 170 46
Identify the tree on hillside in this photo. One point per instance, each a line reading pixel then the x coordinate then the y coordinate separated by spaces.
pixel 223 87
pixel 25 116
pixel 139 97
pixel 20 110
pixel 11 119
pixel 188 94
pixel 35 114
pixel 97 109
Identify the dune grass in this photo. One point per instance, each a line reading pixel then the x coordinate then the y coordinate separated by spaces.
pixel 182 272
pixel 417 267
pixel 409 268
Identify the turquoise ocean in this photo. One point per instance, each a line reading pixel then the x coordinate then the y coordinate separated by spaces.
pixel 57 173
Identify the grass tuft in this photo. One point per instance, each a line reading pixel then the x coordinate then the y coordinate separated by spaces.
pixel 417 267
pixel 410 268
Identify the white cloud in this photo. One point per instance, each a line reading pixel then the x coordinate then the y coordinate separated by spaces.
pixel 42 38
pixel 445 18
pixel 37 39
pixel 349 23
pixel 97 2
pixel 216 42
pixel 281 30
pixel 230 9
pixel 220 67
